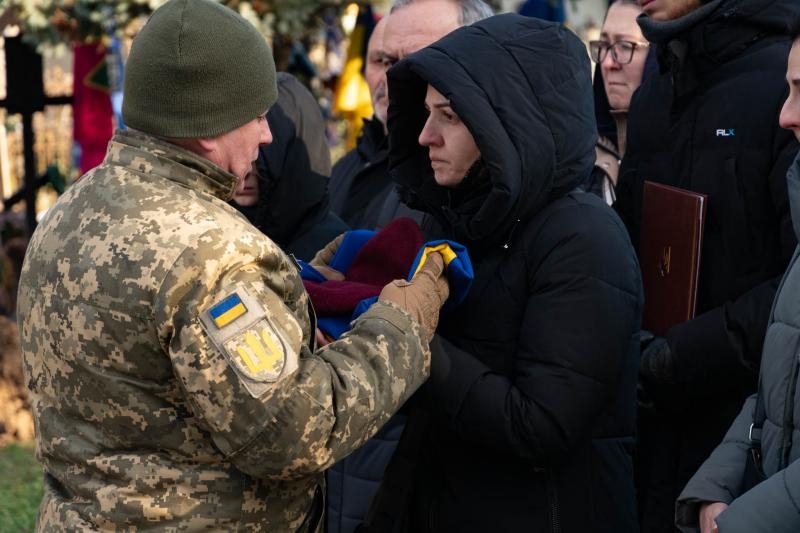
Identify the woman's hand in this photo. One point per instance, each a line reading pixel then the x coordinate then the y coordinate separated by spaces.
pixel 709 512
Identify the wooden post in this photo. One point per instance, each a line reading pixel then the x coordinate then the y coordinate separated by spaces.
pixel 25 95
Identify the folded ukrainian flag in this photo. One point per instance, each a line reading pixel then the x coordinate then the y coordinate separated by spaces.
pixel 369 260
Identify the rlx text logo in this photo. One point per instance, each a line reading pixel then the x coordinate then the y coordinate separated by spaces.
pixel 726 133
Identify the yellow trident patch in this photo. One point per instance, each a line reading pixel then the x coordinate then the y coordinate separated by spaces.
pixel 240 328
pixel 259 353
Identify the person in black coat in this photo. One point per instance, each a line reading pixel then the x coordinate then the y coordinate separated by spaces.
pixel 286 194
pixel 708 122
pixel 531 397
pixel 359 180
pixel 719 498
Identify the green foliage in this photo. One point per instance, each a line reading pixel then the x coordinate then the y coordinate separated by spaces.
pixel 91 21
pixel 20 488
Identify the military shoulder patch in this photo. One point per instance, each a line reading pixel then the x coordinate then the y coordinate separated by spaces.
pixel 227 310
pixel 241 329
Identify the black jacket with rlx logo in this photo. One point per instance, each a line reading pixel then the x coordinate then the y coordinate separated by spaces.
pixel 709 122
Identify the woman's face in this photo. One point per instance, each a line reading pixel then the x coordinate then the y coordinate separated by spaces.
pixel 451 147
pixel 621 80
pixel 246 193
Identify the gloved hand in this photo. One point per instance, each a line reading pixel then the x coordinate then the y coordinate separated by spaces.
pixel 423 296
pixel 322 259
pixel 657 363
pixel 645 338
pixel 644 401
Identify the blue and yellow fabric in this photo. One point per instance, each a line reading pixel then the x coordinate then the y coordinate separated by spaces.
pixel 457 264
pixel 397 251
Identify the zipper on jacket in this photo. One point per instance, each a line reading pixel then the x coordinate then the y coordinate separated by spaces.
pixel 510 235
pixel 552 499
pixel 788 414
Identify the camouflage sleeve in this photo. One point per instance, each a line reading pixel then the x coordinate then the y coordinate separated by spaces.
pixel 236 331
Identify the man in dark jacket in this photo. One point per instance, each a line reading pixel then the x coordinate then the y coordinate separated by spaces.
pixel 286 195
pixel 531 399
pixel 708 122
pixel 718 498
pixel 359 181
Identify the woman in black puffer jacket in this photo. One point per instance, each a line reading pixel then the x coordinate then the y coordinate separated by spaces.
pixel 532 389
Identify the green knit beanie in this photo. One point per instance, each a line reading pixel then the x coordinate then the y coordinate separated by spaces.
pixel 197 69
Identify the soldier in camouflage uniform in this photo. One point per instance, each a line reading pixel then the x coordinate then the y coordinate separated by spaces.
pixel 169 345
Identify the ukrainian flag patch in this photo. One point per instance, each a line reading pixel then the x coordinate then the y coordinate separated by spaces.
pixel 256 348
pixel 227 310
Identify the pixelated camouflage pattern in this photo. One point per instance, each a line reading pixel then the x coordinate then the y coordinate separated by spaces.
pixel 141 423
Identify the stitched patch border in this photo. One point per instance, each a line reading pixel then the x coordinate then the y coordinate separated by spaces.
pixel 240 328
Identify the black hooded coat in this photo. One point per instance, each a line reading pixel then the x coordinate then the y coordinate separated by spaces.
pixel 532 388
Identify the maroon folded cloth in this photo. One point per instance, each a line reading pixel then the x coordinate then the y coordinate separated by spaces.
pixel 385 257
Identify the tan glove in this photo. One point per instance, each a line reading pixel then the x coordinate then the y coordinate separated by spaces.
pixel 322 258
pixel 423 296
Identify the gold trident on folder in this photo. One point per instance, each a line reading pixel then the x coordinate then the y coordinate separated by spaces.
pixel 663 265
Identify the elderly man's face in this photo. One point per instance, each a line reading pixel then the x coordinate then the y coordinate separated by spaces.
pixel 663 10
pixel 375 71
pixel 415 26
pixel 237 150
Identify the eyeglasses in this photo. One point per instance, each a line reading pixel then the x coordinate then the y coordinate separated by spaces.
pixel 621 51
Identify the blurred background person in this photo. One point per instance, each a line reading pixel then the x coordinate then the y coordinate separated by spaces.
pixel 621 54
pixel 285 194
pixel 359 180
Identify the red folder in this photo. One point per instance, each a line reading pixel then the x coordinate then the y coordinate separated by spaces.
pixel 670 242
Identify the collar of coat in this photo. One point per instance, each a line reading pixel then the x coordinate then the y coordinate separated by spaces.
pixel 144 153
pixel 713 35
pixel 663 32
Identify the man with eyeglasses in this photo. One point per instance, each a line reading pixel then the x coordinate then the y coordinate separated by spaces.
pixel 708 122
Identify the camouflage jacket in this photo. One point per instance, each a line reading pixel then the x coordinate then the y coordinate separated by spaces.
pixel 166 343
